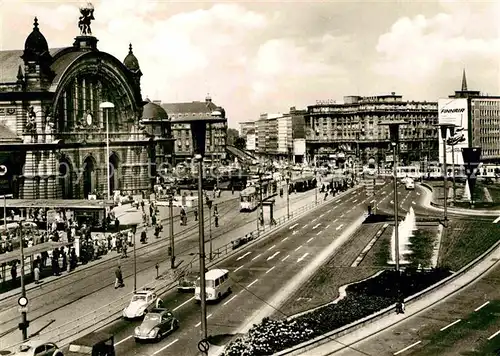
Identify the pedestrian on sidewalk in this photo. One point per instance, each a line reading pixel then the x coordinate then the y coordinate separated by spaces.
pixel 36 272
pixel 13 273
pixel 144 236
pixel 195 212
pixel 119 278
pixel 216 218
pixel 124 251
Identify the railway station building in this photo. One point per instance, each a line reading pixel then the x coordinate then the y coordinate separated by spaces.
pixel 54 130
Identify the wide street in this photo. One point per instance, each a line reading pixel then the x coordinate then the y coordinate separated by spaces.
pixel 82 291
pixel 262 276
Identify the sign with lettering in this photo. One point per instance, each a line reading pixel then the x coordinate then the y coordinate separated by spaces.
pixel 325 102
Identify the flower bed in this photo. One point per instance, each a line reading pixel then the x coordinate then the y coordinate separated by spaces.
pixel 362 299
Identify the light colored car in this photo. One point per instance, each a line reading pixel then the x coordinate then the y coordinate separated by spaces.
pixel 156 324
pixel 141 302
pixel 410 184
pixel 38 348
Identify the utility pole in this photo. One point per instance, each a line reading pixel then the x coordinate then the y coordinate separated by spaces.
pixel 261 208
pixel 171 227
pixel 135 264
pixel 24 317
pixel 210 227
pixel 315 186
pixel 288 197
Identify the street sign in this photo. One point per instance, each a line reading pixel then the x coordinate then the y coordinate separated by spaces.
pixel 203 346
pixel 22 301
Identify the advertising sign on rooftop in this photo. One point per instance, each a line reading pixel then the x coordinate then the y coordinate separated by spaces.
pixel 454 112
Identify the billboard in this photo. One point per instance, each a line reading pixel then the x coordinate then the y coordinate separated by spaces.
pixel 299 147
pixel 251 142
pixel 454 112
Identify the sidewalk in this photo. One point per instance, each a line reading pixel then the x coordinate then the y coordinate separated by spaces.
pixel 430 202
pixel 412 309
pixel 74 308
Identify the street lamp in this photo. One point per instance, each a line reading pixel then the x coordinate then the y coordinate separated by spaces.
pixel 394 137
pixel 107 105
pixel 288 194
pixel 444 132
pixel 23 301
pixel 199 131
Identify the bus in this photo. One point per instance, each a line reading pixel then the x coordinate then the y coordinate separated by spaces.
pixel 216 285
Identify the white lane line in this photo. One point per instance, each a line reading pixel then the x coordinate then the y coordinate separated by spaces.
pixel 450 325
pixel 284 259
pixel 414 203
pixel 407 347
pixel 294 232
pixel 495 334
pixel 313 220
pixel 270 248
pixel 234 296
pixel 270 269
pixel 392 201
pixel 327 226
pixel 251 284
pixel 418 193
pixel 301 258
pixel 286 238
pixel 293 226
pixel 316 226
pixel 481 306
pixel 339 227
pixel 355 200
pixel 273 256
pixel 164 347
pixel 312 238
pixel 119 342
pixel 260 254
pixel 242 257
pixel 372 201
pixel 330 210
pixel 298 248
pixel 322 215
pixel 496 220
pixel 306 225
pixel 180 306
pixel 237 269
pixel 319 233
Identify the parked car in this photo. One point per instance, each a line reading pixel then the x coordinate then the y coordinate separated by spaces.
pixel 187 282
pixel 38 348
pixel 96 343
pixel 141 302
pixel 156 324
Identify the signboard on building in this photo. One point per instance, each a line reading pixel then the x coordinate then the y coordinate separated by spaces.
pixel 454 112
pixel 250 142
pixel 299 147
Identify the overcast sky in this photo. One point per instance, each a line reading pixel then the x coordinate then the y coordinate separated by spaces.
pixel 260 56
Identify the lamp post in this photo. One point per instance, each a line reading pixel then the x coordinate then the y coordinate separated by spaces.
pixel 394 138
pixel 171 227
pixel 107 105
pixel 199 130
pixel 444 132
pixel 23 300
pixel 315 186
pixel 288 195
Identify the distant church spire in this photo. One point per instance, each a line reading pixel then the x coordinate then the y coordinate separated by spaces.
pixel 464 81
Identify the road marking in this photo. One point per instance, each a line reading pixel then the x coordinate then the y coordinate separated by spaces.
pixel 407 347
pixel 119 342
pixel 372 201
pixel 283 260
pixel 187 301
pixel 392 201
pixel 495 334
pixel 270 269
pixel 293 226
pixel 208 316
pixel 355 200
pixel 330 210
pixel 306 225
pixel 319 233
pixel 294 232
pixel 316 226
pixel 339 227
pixel 304 256
pixel 242 257
pixel 237 269
pixel 164 347
pixel 496 220
pixel 327 226
pixel 413 203
pixel 260 254
pixel 313 220
pixel 270 248
pixel 450 325
pixel 251 284
pixel 234 296
pixel 322 215
pixel 418 193
pixel 298 248
pixel 309 240
pixel 286 238
pixel 481 306
pixel 273 256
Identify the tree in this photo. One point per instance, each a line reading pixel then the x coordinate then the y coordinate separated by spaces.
pixel 232 135
pixel 240 143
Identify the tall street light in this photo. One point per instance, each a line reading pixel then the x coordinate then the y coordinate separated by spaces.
pixel 199 131
pixel 394 137
pixel 444 133
pixel 107 105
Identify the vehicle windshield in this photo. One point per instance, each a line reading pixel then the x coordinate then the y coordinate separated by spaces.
pixel 152 317
pixel 245 199
pixel 139 298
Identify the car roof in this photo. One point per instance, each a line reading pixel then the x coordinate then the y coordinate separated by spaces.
pixel 215 273
pixel 92 339
pixel 36 343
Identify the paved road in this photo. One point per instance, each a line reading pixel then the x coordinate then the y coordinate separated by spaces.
pixel 82 291
pixel 261 276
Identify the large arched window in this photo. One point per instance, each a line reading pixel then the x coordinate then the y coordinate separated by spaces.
pixel 78 105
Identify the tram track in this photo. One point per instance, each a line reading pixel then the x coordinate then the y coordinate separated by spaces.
pixel 107 278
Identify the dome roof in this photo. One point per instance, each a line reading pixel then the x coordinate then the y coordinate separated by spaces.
pixel 152 111
pixel 131 61
pixel 36 45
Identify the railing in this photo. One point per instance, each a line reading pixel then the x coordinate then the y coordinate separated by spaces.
pixel 102 316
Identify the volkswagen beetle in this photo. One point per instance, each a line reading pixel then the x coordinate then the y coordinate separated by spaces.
pixel 156 324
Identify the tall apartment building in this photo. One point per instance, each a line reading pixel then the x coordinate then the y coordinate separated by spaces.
pixel 351 131
pixel 216 132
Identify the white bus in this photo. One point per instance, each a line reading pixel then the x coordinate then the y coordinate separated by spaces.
pixel 216 285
